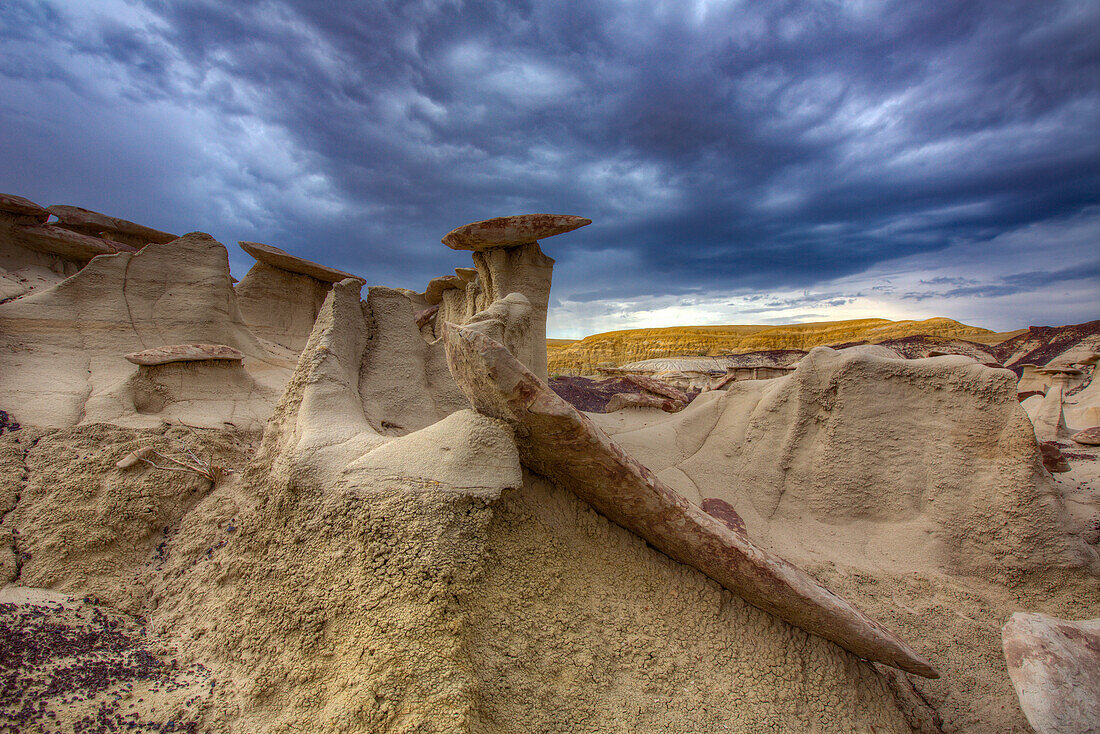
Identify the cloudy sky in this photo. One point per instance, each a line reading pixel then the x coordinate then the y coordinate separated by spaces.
pixel 743 162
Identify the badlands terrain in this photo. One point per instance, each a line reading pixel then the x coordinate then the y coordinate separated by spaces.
pixel 304 502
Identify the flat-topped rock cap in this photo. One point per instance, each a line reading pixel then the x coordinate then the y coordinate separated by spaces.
pixel 18 205
pixel 184 353
pixel 283 260
pixel 88 222
pixel 510 231
pixel 65 243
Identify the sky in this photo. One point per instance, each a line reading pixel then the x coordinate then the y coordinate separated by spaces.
pixel 742 162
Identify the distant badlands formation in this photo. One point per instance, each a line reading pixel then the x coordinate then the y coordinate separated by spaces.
pixel 283 504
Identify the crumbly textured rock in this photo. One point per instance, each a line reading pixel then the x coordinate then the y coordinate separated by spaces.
pixel 578 625
pixel 86 527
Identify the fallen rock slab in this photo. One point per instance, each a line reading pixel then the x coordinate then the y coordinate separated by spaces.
pixel 88 222
pixel 511 231
pixel 1055 667
pixel 622 400
pixel 283 260
pixel 1088 437
pixel 184 353
pixel 653 385
pixel 557 441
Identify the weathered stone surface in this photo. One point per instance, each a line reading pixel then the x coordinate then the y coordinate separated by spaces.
pixel 13 204
pixel 1052 457
pixel 467 274
pixel 557 441
pixel 425 316
pixel 184 353
pixel 1088 437
pixel 283 260
pixel 88 222
pixel 434 292
pixel 622 400
pixel 653 385
pixel 1055 667
pixel 724 511
pixel 54 240
pixel 511 231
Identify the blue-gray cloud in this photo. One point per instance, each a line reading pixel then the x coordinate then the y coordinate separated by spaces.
pixel 717 146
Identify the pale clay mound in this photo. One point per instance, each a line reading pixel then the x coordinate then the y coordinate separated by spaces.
pixel 387 561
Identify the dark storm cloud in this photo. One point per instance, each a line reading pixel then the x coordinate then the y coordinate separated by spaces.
pixel 717 146
pixel 1008 285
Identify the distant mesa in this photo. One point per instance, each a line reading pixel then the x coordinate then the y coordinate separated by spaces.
pixel 511 231
pixel 283 260
pixel 184 353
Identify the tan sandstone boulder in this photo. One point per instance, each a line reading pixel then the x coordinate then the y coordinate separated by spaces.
pixel 1055 666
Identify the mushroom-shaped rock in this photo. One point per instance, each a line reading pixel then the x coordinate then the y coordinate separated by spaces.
pixel 1055 667
pixel 557 441
pixel 511 231
pixel 1088 437
pixel 197 384
pixel 622 400
pixel 12 204
pixel 467 274
pixel 184 353
pixel 434 292
pixel 283 260
pixel 64 243
pixel 86 221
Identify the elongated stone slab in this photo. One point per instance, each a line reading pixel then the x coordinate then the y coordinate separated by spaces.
pixel 86 221
pixel 283 260
pixel 559 442
pixel 653 385
pixel 13 204
pixel 184 353
pixel 65 243
pixel 511 231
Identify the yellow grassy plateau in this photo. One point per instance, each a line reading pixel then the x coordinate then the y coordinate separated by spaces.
pixel 619 347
